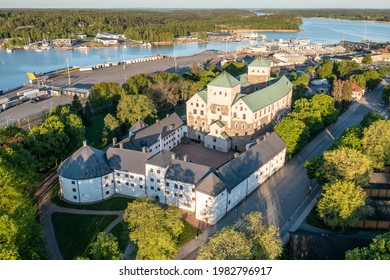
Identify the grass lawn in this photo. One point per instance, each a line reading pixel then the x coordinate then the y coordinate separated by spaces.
pixel 189 232
pixel 121 232
pixel 94 131
pixel 74 232
pixel 112 204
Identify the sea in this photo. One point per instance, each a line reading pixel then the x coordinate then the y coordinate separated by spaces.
pixel 14 66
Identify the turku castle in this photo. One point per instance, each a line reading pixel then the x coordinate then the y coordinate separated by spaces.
pixel 230 114
pixel 232 111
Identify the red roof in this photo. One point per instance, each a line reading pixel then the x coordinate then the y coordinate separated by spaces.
pixel 355 87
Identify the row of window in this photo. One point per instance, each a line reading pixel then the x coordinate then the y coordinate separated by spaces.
pixel 197 104
pixel 201 112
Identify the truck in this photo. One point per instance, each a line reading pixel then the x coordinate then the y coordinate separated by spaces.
pixel 10 104
pixel 31 93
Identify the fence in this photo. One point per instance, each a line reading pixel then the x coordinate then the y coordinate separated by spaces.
pixel 382 193
pixel 373 224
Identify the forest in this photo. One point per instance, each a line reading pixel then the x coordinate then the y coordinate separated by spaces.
pixel 349 14
pixel 149 26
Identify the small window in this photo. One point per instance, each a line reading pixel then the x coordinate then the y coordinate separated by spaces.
pixel 218 109
pixel 180 195
pixel 140 178
pixel 261 173
pixel 127 183
pixel 107 192
pixel 225 94
pixel 195 111
pixel 118 174
pixel 193 199
pixel 158 181
pixel 244 116
pixel 167 184
pixel 158 189
pixel 152 188
pixel 151 170
pixel 106 185
pixel 158 171
pixel 132 184
pixel 176 186
pixel 181 187
pixel 167 192
pixel 141 187
pixel 73 182
pixel 131 177
pixel 151 180
pixel 236 125
pixel 74 190
pixel 201 112
pixel 126 175
pixel 197 104
pixel 118 182
pixel 175 194
pixel 74 197
pixel 193 189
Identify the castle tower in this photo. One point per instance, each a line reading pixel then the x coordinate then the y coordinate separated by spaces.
pixel 259 71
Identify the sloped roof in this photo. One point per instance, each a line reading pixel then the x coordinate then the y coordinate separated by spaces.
pixel 85 163
pixel 260 62
pixel 269 95
pixel 186 172
pixel 219 123
pixel 127 160
pixel 211 185
pixel 203 94
pixel 224 80
pixel 151 134
pixel 162 159
pixel 140 124
pixel 243 78
pixel 224 135
pixel 238 169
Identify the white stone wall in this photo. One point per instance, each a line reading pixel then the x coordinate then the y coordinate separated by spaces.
pixel 180 194
pixel 155 182
pixel 168 142
pixel 210 209
pixel 217 143
pixel 129 184
pixel 259 71
pixel 237 194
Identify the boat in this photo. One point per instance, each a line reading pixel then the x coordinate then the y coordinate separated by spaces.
pixel 39 50
pixel 8 50
pixel 82 48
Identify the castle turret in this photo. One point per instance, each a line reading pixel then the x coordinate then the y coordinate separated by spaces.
pixel 259 71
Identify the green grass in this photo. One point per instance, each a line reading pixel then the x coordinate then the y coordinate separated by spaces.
pixel 121 232
pixel 189 232
pixel 94 131
pixel 112 204
pixel 314 219
pixel 74 232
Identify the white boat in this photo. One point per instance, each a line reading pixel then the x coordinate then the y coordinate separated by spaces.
pixel 82 48
pixel 8 50
pixel 39 50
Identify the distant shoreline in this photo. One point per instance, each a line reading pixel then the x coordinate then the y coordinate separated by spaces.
pixel 352 20
pixel 266 30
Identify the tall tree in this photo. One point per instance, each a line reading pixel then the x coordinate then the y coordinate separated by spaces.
pixel 154 230
pixel 105 96
pixel 132 108
pixel 77 106
pixel 105 248
pixel 325 69
pixel 379 249
pixel 265 239
pixel 137 84
pixel 346 164
pixel 228 244
pixel 370 118
pixel 376 143
pixel 342 203
pixel 367 59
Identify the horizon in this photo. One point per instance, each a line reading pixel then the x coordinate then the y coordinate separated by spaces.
pixel 200 4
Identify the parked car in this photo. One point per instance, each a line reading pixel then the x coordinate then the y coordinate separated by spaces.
pixel 35 100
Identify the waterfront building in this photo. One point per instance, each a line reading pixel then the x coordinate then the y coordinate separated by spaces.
pixel 106 41
pixel 232 112
pixel 111 35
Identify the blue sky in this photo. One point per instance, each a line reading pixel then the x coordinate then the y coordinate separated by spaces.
pixel 373 4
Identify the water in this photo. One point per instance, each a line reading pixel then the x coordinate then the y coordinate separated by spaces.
pixel 13 66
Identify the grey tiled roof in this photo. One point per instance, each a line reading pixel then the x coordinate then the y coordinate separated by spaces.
pixel 162 159
pixel 85 163
pixel 127 160
pixel 151 134
pixel 238 169
pixel 211 185
pixel 140 124
pixel 186 172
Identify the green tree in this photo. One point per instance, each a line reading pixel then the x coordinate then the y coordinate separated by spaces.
pixel 351 138
pixel 346 164
pixel 235 68
pixel 379 249
pixel 325 69
pixel 227 244
pixel 301 80
pixel 77 106
pixel 376 143
pixel 294 133
pixel 359 79
pixel 105 248
pixel 367 59
pixel 137 84
pixel 372 78
pixel 9 252
pixel 132 108
pixel 154 230
pixel 87 116
pixel 310 69
pixel 370 118
pixel 105 96
pixel 344 68
pixel 265 239
pixel 342 203
pixel 337 93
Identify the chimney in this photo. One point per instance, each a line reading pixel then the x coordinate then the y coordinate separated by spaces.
pixel 173 156
pixel 85 143
pixel 144 150
pixel 185 158
pixel 258 140
pixel 157 121
pixel 247 147
pixel 167 115
pixel 120 145
pixel 114 141
pixel 267 134
pixel 236 155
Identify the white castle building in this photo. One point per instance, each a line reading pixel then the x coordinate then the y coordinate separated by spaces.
pixel 230 114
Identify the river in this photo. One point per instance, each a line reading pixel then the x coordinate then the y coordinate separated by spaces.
pixel 13 66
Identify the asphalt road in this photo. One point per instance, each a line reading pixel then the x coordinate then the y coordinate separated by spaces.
pixel 23 111
pixel 286 196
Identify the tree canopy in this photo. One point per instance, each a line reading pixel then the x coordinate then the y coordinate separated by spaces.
pixel 342 203
pixel 105 247
pixel 134 107
pixel 294 133
pixel 379 249
pixel 154 230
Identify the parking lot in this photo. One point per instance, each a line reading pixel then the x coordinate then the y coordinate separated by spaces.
pixel 26 110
